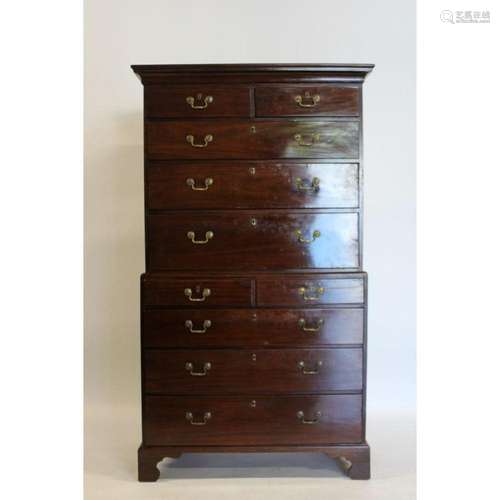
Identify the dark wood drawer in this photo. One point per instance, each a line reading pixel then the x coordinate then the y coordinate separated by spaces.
pixel 254 240
pixel 252 420
pixel 258 371
pixel 252 185
pixel 250 139
pixel 196 101
pixel 310 291
pixel 195 292
pixel 320 100
pixel 251 327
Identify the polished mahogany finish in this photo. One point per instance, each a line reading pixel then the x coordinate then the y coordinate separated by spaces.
pixel 194 291
pixel 253 420
pixel 308 100
pixel 252 327
pixel 251 139
pixel 253 303
pixel 253 240
pixel 196 102
pixel 243 289
pixel 309 290
pixel 251 184
pixel 258 371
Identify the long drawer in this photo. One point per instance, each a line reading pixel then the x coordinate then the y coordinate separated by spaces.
pixel 257 241
pixel 264 371
pixel 251 327
pixel 252 185
pixel 251 139
pixel 185 420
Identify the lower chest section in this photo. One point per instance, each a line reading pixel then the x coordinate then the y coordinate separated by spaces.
pixel 262 359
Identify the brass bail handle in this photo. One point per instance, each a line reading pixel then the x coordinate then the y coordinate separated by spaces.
pixel 316 234
pixel 305 371
pixel 192 236
pixel 190 368
pixel 311 293
pixel 301 417
pixel 191 101
pixel 305 185
pixel 313 329
pixel 204 294
pixel 310 100
pixel 303 142
pixel 206 417
pixel 192 184
pixel 207 139
pixel 189 326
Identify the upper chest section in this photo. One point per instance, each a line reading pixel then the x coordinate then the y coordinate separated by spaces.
pixel 213 91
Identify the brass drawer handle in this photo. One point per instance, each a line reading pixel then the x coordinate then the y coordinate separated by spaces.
pixel 208 236
pixel 312 100
pixel 206 325
pixel 311 293
pixel 313 329
pixel 190 369
pixel 300 416
pixel 206 417
pixel 316 234
pixel 302 367
pixel 314 138
pixel 192 184
pixel 208 138
pixel 191 101
pixel 303 185
pixel 189 294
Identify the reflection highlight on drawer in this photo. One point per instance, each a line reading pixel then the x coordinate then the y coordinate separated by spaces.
pixel 251 327
pixel 238 240
pixel 258 371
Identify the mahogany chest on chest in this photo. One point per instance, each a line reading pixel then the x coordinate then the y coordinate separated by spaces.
pixel 253 303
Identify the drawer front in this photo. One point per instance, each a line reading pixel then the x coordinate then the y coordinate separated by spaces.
pixel 246 139
pixel 252 185
pixel 309 291
pixel 258 371
pixel 196 292
pixel 251 327
pixel 184 420
pixel 196 102
pixel 264 240
pixel 321 100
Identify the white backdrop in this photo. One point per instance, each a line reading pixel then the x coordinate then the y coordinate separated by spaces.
pixel 119 33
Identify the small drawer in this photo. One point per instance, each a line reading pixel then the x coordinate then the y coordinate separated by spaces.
pixel 251 139
pixel 196 102
pixel 309 291
pixel 235 240
pixel 320 100
pixel 264 371
pixel 195 292
pixel 252 185
pixel 259 420
pixel 188 328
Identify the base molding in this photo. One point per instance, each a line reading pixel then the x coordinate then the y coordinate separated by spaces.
pixel 354 459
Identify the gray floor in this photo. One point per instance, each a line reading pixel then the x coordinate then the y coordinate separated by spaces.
pixel 112 438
